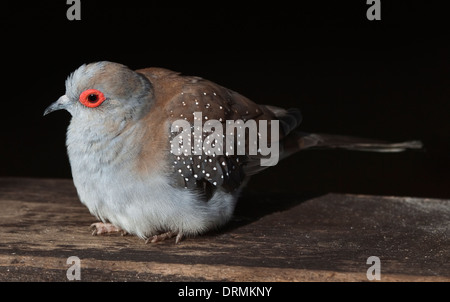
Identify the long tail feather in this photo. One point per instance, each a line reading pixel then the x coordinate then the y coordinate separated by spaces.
pixel 330 141
pixel 297 141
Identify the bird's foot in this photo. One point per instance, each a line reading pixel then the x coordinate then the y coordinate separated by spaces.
pixel 100 228
pixel 164 236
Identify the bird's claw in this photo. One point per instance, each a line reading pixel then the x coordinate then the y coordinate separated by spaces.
pixel 164 236
pixel 100 228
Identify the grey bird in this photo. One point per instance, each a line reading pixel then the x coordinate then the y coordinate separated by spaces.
pixel 120 146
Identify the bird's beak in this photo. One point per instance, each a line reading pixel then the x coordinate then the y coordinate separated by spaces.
pixel 61 103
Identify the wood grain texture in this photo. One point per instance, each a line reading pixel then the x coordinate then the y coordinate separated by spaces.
pixel 273 237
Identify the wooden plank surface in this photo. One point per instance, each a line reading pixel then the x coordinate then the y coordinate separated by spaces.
pixel 273 237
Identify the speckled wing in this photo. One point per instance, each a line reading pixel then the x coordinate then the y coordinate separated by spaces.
pixel 210 171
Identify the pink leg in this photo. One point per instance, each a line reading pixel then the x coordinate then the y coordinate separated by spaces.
pixel 100 228
pixel 164 236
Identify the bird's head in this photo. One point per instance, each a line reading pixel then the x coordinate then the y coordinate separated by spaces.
pixel 104 90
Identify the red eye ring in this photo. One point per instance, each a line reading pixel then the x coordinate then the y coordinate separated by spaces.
pixel 92 98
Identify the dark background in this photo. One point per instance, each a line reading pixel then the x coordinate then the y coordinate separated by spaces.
pixel 385 79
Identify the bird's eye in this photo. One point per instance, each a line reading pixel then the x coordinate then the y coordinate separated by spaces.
pixel 92 98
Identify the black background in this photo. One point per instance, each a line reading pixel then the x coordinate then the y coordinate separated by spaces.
pixel 385 79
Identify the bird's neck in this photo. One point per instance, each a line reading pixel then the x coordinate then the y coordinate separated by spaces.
pixel 104 142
